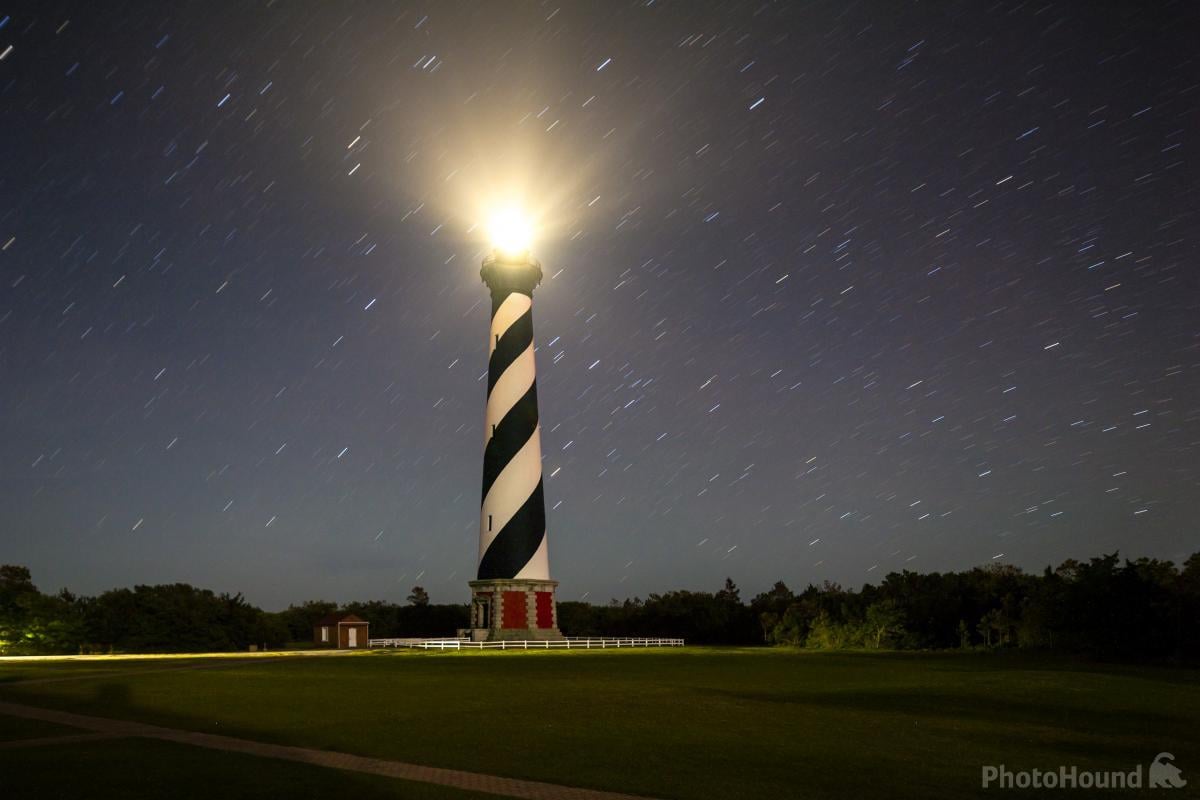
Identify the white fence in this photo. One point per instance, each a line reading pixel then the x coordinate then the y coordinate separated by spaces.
pixel 569 643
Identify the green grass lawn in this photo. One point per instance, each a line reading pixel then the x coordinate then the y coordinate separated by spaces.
pixel 692 723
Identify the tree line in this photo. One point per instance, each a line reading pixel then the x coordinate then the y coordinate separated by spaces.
pixel 1104 607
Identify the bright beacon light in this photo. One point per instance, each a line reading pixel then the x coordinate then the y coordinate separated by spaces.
pixel 510 232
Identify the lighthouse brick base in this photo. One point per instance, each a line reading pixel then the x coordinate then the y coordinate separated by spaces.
pixel 513 609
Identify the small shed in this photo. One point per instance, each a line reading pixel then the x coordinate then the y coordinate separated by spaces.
pixel 343 631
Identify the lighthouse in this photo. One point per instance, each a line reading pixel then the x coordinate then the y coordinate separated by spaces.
pixel 513 595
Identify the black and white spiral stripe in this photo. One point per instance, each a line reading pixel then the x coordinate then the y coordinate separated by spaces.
pixel 512 524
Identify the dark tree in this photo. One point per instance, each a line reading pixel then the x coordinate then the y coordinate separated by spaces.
pixel 729 593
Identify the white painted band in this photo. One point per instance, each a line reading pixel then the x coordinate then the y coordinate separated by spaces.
pixel 513 486
pixel 513 307
pixel 511 387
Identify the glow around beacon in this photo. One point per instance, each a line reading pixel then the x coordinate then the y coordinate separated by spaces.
pixel 510 232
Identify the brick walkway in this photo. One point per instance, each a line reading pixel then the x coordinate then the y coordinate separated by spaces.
pixel 471 781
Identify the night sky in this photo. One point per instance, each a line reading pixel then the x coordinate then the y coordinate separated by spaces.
pixel 832 289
